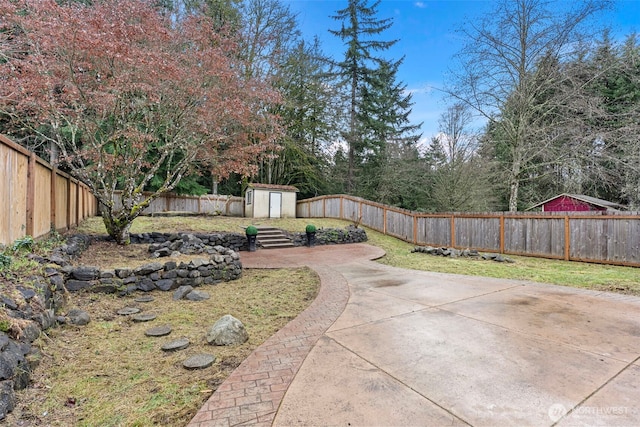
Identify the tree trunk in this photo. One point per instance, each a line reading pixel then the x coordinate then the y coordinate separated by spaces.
pixel 513 195
pixel 514 181
pixel 118 227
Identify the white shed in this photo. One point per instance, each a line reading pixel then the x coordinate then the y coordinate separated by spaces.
pixel 270 201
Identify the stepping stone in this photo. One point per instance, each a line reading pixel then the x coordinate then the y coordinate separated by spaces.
pixel 199 361
pixel 158 331
pixel 144 317
pixel 179 344
pixel 128 310
pixel 146 298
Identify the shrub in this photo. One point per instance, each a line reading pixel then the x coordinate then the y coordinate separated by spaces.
pixel 5 261
pixel 310 228
pixel 251 230
pixel 25 243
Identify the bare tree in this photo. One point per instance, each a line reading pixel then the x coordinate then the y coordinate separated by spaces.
pixel 508 75
pixel 460 180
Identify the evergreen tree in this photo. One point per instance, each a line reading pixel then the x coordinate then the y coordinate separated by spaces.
pixel 308 115
pixel 388 135
pixel 360 25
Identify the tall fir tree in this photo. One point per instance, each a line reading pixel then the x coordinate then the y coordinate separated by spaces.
pixel 389 137
pixel 360 25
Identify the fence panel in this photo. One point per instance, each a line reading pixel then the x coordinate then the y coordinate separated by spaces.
pixel 42 214
pixel 400 224
pixel 74 211
pixel 612 239
pixel 373 216
pixel 333 207
pixel 481 233
pixel 222 205
pixel 13 194
pixel 535 236
pixel 316 208
pixel 351 209
pixel 61 202
pixel 434 231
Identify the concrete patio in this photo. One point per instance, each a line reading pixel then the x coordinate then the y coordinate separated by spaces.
pixel 388 346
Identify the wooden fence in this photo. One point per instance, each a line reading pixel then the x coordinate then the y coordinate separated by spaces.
pixel 209 204
pixel 602 237
pixel 36 197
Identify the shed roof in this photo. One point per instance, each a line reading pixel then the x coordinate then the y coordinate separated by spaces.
pixel 273 187
pixel 587 199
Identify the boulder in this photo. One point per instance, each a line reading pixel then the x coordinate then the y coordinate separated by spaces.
pixel 78 317
pixel 197 296
pixel 181 292
pixel 227 331
pixel 7 398
pixel 85 273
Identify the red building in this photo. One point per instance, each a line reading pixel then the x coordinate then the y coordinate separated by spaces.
pixel 576 203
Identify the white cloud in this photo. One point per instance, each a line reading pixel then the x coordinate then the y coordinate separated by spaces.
pixel 420 5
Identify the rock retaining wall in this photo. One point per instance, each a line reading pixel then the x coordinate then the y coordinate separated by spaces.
pixel 235 241
pixel 331 236
pixel 224 265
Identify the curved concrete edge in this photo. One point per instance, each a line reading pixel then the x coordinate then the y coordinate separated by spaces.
pixel 253 392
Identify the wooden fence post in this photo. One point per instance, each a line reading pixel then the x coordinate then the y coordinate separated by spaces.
pixel 453 230
pixel 78 190
pixel 52 217
pixel 384 220
pixel 566 238
pixel 69 206
pixel 502 233
pixel 415 228
pixel 31 193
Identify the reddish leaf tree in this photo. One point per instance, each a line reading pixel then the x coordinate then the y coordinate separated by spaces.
pixel 125 94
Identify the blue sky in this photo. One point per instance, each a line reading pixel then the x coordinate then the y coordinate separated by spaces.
pixel 427 39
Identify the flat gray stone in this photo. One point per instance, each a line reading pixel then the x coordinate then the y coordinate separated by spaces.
pixel 197 296
pixel 144 317
pixel 158 331
pixel 179 344
pixel 181 292
pixel 128 311
pixel 199 361
pixel 144 298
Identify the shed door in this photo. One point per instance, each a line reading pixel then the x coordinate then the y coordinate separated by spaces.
pixel 275 205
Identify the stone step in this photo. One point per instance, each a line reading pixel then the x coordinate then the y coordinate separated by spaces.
pixel 271 237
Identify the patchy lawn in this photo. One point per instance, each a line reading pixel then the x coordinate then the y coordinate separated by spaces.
pixel 109 373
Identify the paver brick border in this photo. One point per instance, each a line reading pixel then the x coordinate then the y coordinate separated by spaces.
pixel 253 392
